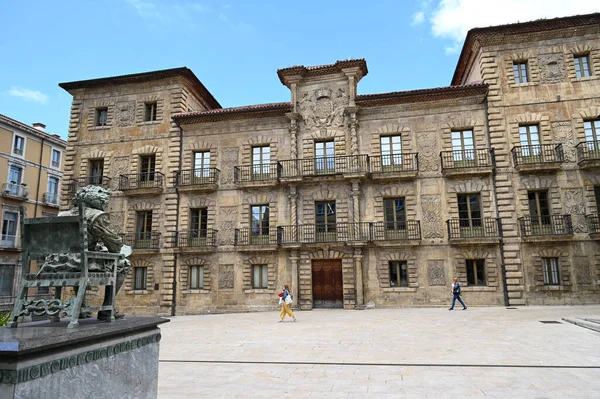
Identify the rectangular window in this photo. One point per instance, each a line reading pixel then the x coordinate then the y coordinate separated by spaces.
pixel 140 274
pixel 150 114
pixel 597 195
pixel 261 160
pixel 15 175
pixel 539 209
pixel 325 155
pixel 582 65
pixel 476 271
pixel 391 150
pixel 550 270
pixel 7 275
pixel 259 223
pixel 463 146
pixel 198 222
pixel 469 210
pixel 394 212
pixel 196 277
pixel 325 217
pixel 52 196
pixel 202 164
pixel 260 276
pixel 144 225
pixel 520 72
pixel 101 116
pixel 9 229
pixel 398 274
pixel 55 159
pixel 530 140
pixel 147 170
pixel 19 145
pixel 96 171
pixel 592 134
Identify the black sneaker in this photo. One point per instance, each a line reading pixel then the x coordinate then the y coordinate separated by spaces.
pixel 465 308
pixel 451 309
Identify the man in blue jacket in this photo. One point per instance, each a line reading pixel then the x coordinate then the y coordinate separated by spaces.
pixel 456 295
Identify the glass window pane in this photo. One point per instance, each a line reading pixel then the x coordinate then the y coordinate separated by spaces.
pixel 265 276
pixel 256 277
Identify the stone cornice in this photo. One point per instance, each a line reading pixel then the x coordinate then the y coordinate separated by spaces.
pixel 294 73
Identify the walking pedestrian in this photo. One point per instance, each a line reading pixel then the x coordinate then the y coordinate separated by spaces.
pixel 456 294
pixel 286 301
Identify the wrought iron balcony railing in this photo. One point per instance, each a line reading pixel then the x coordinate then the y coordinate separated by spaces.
pixel 262 236
pixel 325 166
pixel 193 238
pixel 257 173
pixel 15 190
pixel 405 162
pixel 55 164
pixel 588 151
pixel 50 198
pixel 76 184
pixel 141 180
pixel 17 151
pixel 404 230
pixel 593 222
pixel 552 225
pixel 462 159
pixel 142 240
pixel 538 154
pixel 196 177
pixel 9 241
pixel 474 228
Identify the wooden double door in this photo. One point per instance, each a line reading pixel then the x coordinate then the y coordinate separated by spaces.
pixel 327 283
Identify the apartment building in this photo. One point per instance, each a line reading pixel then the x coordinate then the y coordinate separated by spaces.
pixel 31 162
pixel 357 200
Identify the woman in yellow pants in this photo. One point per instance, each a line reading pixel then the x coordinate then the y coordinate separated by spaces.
pixel 285 308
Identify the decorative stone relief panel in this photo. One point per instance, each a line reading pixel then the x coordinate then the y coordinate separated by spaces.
pixel 435 272
pixel 582 270
pixel 432 216
pixel 427 149
pixel 324 108
pixel 125 113
pixel 226 277
pixel 562 132
pixel 552 68
pixel 227 223
pixel 121 167
pixel 573 203
pixel 229 159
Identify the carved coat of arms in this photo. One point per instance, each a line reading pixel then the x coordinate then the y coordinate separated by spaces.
pixel 324 108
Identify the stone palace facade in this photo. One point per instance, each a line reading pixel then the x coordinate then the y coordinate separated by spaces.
pixel 353 200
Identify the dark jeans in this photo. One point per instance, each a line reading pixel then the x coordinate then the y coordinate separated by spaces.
pixel 454 298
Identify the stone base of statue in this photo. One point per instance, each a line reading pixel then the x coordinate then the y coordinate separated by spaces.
pixel 96 360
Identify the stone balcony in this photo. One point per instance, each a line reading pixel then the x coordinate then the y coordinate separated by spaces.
pixel 144 241
pixel 538 158
pixel 259 175
pixel 204 240
pixel 460 163
pixel 334 167
pixel 474 231
pixel 593 223
pixel 51 199
pixel 145 183
pixel 16 191
pixel 544 228
pixel 404 166
pixel 588 154
pixel 205 179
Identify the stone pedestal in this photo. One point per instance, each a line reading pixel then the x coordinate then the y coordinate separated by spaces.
pixel 97 359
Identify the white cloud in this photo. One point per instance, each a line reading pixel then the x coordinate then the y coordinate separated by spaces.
pixel 418 18
pixel 452 19
pixel 29 95
pixel 146 9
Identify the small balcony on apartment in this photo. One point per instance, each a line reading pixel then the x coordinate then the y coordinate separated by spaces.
pixel 77 183
pixel 143 183
pixel 404 166
pixel 538 157
pixel 10 241
pixel 204 240
pixel 476 231
pixel 588 154
pixel 593 223
pixel 51 199
pixel 203 179
pixel 467 162
pixel 15 191
pixel 326 167
pixel 256 238
pixel 257 175
pixel 142 240
pixel 544 228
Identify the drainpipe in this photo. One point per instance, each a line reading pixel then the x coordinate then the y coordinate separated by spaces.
pixel 494 188
pixel 176 257
pixel 37 192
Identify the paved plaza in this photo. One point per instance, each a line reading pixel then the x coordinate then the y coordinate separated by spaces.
pixel 383 353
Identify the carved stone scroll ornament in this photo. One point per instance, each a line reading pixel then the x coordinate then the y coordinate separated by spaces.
pixel 120 166
pixel 562 132
pixel 229 159
pixel 226 277
pixel 227 222
pixel 125 113
pixel 436 273
pixel 427 148
pixel 552 68
pixel 324 108
pixel 573 201
pixel 432 216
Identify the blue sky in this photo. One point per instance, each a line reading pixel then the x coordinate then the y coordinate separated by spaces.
pixel 235 47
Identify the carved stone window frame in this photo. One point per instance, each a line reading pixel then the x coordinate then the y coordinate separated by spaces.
pixel 189 202
pixel 130 224
pixel 527 119
pixel 593 58
pixel 260 259
pixel 140 110
pixel 532 69
pixel 395 191
pixel 591 180
pixel 261 199
pixel 146 150
pixel 391 130
pixel 564 270
pixel 129 283
pixel 190 149
pixel 539 183
pixel 92 114
pixel 581 116
pixel 384 259
pixel 95 155
pixel 461 124
pixel 338 137
pixel 342 204
pixel 184 275
pixel 476 186
pixel 259 141
pixel 492 272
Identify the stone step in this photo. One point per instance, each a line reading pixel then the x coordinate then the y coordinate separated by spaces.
pixel 584 323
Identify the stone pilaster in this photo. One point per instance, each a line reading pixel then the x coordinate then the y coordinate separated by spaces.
pixel 358 270
pixel 352 113
pixel 295 280
pixel 355 195
pixel 294 118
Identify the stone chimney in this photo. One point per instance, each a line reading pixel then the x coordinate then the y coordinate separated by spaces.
pixel 39 126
